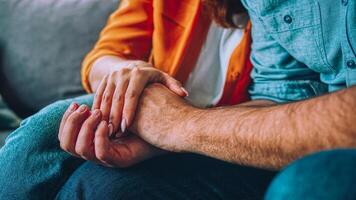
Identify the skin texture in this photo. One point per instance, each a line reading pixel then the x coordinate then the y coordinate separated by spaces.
pixel 257 133
pixel 120 86
pixel 96 135
pixel 84 134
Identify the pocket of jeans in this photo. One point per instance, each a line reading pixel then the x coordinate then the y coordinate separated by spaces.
pixel 297 27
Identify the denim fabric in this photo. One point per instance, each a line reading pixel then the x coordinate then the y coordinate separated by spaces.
pixel 179 176
pixel 32 166
pixel 302 48
pixel 328 175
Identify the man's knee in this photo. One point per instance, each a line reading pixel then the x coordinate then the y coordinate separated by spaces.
pixel 92 181
pixel 326 175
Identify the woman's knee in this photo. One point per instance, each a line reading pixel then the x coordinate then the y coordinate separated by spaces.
pixel 325 175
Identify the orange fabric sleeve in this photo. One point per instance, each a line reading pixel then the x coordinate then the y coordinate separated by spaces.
pixel 128 34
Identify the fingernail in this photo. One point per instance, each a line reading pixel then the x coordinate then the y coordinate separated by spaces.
pixel 72 106
pixel 82 108
pixel 111 129
pixel 96 113
pixel 123 125
pixel 185 91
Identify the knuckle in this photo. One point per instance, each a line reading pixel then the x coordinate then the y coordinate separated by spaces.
pixel 137 72
pixel 111 76
pixel 131 95
pixel 118 97
pixel 114 120
pixel 123 71
pixel 98 95
pixel 106 77
pixel 68 111
pixel 106 96
pixel 73 118
pixel 111 79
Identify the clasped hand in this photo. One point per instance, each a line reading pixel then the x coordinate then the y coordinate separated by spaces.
pixel 101 134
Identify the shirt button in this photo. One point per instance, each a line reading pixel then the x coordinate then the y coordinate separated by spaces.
pixel 351 64
pixel 287 19
pixel 344 2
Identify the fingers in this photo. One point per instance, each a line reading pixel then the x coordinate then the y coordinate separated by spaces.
pixel 102 144
pixel 174 85
pixel 85 142
pixel 71 128
pixel 106 100
pixel 118 94
pixel 136 85
pixel 74 106
pixel 118 104
pixel 99 93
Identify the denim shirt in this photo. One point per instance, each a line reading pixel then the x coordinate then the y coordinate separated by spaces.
pixel 302 48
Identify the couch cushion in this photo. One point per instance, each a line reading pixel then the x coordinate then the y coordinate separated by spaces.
pixel 3 136
pixel 7 118
pixel 42 44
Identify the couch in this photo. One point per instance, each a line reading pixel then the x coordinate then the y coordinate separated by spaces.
pixel 42 44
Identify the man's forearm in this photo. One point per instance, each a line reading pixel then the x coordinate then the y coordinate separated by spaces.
pixel 273 135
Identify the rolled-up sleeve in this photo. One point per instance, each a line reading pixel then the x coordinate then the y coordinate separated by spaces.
pixel 277 75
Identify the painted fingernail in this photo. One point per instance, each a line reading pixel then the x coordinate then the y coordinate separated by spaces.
pixel 123 125
pixel 185 91
pixel 111 129
pixel 82 108
pixel 72 106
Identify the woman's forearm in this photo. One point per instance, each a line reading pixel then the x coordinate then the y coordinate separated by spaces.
pixel 104 66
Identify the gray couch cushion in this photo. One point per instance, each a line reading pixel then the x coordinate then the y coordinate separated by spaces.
pixel 7 118
pixel 42 44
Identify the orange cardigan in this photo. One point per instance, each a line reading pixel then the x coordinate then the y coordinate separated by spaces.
pixel 169 34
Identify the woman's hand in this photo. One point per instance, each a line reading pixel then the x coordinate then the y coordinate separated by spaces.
pixel 118 93
pixel 84 134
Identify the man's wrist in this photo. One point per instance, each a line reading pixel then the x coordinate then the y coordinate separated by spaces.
pixel 189 128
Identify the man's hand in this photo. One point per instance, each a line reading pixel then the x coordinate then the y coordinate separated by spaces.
pixel 119 91
pixel 85 134
pixel 161 118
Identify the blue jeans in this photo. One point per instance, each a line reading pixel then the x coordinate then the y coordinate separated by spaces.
pixel 31 162
pixel 180 177
pixel 328 175
pixel 34 167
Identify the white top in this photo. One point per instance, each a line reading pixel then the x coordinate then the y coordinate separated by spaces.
pixel 206 82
